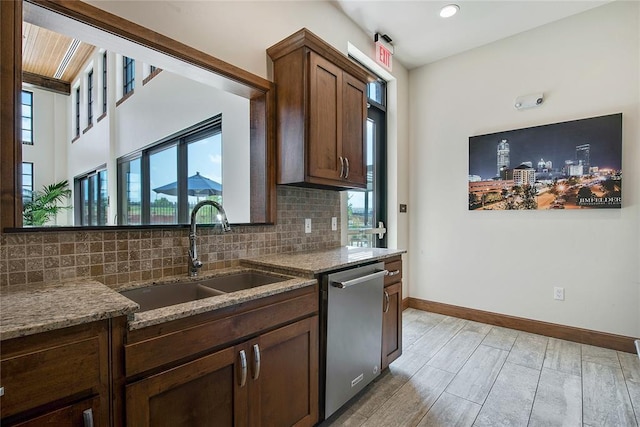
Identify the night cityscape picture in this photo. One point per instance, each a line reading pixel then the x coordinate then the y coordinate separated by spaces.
pixel 569 165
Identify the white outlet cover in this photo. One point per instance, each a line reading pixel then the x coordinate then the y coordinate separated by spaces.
pixel 307 225
pixel 558 294
pixel 334 223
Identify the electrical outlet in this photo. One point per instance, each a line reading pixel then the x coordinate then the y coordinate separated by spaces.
pixel 334 223
pixel 558 294
pixel 307 225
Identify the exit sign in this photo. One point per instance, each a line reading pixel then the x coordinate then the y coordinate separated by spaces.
pixel 383 55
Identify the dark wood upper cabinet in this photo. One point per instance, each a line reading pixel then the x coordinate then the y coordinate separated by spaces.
pixel 321 113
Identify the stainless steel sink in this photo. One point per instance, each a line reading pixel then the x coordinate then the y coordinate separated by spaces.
pixel 240 281
pixel 158 296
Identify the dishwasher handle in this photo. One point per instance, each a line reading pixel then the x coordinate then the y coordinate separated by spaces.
pixel 358 280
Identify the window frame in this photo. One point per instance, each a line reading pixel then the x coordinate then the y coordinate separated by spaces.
pixel 77 113
pixel 31 182
pixel 92 178
pixel 180 140
pixel 22 104
pixel 90 97
pixel 128 75
pixel 104 82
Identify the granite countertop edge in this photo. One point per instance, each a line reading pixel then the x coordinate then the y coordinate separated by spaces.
pixel 313 263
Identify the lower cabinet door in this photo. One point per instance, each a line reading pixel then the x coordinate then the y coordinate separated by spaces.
pixel 208 391
pixel 392 324
pixel 284 371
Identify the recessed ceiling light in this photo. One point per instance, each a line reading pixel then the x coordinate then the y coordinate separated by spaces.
pixel 449 10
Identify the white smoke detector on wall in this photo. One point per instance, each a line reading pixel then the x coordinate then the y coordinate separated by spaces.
pixel 529 101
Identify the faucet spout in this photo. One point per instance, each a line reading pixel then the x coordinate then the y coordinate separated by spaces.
pixel 194 262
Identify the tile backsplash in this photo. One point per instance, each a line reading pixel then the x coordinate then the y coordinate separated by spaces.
pixel 120 256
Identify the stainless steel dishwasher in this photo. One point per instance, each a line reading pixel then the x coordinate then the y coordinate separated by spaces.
pixel 352 330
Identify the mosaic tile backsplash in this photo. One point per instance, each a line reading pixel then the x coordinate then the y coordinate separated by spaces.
pixel 114 257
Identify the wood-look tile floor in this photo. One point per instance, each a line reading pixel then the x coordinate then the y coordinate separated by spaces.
pixel 455 372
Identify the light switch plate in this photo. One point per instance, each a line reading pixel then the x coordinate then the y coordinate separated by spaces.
pixel 307 225
pixel 334 223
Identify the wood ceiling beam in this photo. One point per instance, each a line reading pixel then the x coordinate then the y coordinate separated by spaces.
pixel 47 83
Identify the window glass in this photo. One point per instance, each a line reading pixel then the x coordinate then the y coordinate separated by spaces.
pixel 78 111
pixel 27 117
pixel 163 180
pixel 27 181
pixel 103 198
pixel 204 172
pixel 128 75
pixel 89 97
pixel 84 200
pixel 131 195
pixel 104 82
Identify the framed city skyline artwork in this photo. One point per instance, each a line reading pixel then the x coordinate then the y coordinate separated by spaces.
pixel 569 165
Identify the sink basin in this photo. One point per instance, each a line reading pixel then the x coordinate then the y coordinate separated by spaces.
pixel 158 296
pixel 239 281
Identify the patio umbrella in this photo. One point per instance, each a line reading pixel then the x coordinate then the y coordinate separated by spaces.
pixel 197 185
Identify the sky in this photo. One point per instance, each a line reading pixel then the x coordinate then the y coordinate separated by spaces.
pixel 554 142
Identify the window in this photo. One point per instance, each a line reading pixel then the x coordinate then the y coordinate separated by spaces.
pixel 162 184
pixel 104 83
pixel 130 191
pixel 92 200
pixel 128 75
pixel 152 68
pixel 27 182
pixel 78 111
pixel 366 209
pixel 27 117
pixel 90 98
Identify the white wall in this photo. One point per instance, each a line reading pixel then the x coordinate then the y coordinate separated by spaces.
pixel 509 261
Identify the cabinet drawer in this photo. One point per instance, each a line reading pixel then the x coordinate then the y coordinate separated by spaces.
pixel 394 267
pixel 34 377
pixel 72 415
pixel 167 348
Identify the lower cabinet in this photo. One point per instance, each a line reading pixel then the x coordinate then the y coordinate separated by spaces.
pixel 57 378
pixel 392 313
pixel 270 380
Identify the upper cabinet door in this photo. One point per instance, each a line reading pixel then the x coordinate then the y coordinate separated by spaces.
pixel 321 114
pixel 354 121
pixel 325 119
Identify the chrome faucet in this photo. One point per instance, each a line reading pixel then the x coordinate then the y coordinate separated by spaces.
pixel 194 262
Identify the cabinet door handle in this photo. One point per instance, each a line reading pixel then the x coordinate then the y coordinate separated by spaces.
pixel 243 368
pixel 87 417
pixel 394 273
pixel 256 361
pixel 341 166
pixel 346 175
pixel 386 302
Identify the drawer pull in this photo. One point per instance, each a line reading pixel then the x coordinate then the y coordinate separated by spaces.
pixel 256 361
pixel 394 273
pixel 386 302
pixel 87 417
pixel 243 368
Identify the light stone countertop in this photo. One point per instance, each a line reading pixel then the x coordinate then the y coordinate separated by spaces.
pixel 31 309
pixel 310 264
